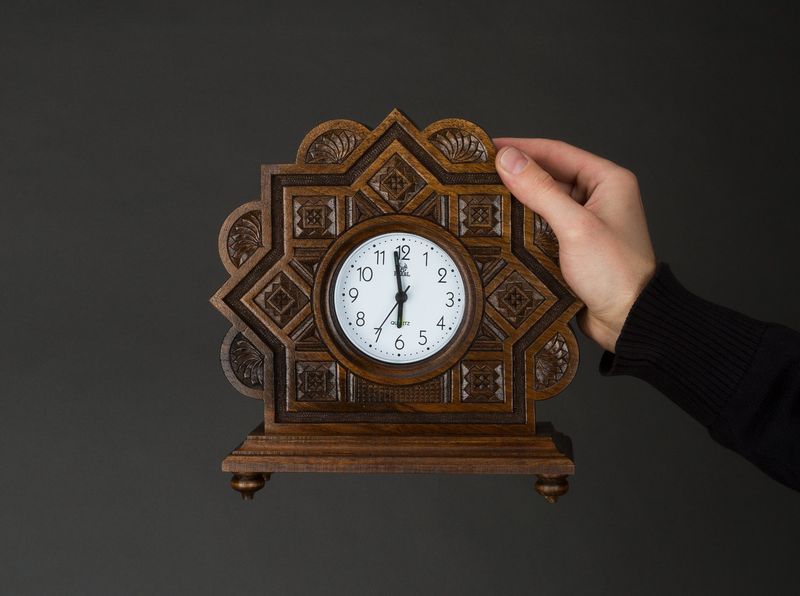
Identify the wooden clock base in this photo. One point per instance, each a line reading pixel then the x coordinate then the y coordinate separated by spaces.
pixel 546 454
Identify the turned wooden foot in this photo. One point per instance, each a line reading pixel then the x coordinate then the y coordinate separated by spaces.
pixel 248 484
pixel 551 486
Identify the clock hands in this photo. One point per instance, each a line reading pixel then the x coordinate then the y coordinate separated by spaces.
pixel 401 295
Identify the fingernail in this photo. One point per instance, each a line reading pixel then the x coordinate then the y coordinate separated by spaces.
pixel 513 160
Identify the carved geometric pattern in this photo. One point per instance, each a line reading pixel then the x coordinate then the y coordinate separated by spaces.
pixel 544 237
pixel 459 146
pixel 436 390
pixel 244 237
pixel 482 381
pixel 305 262
pixel 314 217
pixel 358 208
pixel 333 146
pixel 247 363
pixel 316 381
pixel 420 173
pixel 489 337
pixel 551 362
pixel 487 260
pixel 281 299
pixel 515 299
pixel 480 215
pixel 397 182
pixel 306 337
pixel 434 208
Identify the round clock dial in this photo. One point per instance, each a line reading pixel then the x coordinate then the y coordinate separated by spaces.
pixel 399 315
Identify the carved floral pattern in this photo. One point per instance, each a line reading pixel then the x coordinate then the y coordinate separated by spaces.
pixel 246 362
pixel 544 237
pixel 551 362
pixel 459 146
pixel 244 237
pixel 333 146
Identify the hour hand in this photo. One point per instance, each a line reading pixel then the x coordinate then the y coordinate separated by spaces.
pixel 401 299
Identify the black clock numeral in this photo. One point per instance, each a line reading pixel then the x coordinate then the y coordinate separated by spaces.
pixel 440 324
pixel 425 254
pixel 422 336
pixel 364 273
pixel 380 257
pixel 404 250
pixel 378 332
pixel 360 318
pixel 353 294
pixel 450 302
pixel 399 343
pixel 442 274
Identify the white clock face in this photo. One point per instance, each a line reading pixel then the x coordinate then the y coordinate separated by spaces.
pixel 367 301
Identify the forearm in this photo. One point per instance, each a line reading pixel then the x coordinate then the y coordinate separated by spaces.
pixel 737 376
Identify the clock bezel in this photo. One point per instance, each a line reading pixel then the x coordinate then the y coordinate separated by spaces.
pixel 352 357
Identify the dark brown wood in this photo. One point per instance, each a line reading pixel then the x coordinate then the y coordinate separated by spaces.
pixel 394 375
pixel 248 483
pixel 552 486
pixel 546 454
pixel 514 346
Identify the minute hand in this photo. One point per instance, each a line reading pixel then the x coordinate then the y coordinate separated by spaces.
pixel 397 272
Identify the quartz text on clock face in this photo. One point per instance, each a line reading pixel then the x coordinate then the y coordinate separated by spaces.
pixel 399 315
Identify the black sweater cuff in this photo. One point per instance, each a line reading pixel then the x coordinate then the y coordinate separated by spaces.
pixel 693 351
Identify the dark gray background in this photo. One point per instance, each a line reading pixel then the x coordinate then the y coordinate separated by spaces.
pixel 128 134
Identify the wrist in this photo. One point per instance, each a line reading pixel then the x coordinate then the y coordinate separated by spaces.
pixel 605 327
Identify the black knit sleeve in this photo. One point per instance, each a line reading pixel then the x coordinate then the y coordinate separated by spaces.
pixel 737 376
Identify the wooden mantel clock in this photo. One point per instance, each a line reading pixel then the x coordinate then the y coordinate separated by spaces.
pixel 396 310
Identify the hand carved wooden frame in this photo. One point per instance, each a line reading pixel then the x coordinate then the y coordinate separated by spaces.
pixel 322 399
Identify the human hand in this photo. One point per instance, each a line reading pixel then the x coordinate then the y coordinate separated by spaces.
pixel 596 212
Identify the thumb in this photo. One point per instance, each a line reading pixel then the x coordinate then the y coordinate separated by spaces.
pixel 536 189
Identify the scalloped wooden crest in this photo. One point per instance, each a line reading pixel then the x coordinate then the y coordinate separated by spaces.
pixel 241 236
pixel 460 142
pixel 243 364
pixel 331 142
